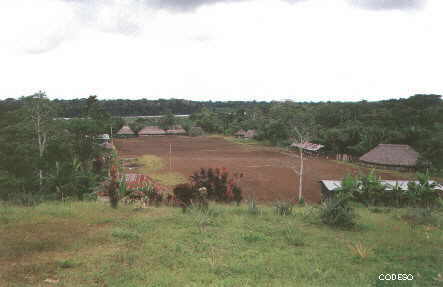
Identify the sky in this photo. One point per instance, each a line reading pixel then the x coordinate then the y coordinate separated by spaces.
pixel 300 50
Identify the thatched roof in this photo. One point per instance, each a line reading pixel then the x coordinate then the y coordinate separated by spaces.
pixel 391 154
pixel 125 130
pixel 241 132
pixel 307 146
pixel 151 130
pixel 175 130
pixel 250 134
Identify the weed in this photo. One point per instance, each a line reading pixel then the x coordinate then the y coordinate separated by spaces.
pixel 124 234
pixel 283 208
pixel 293 236
pixel 359 250
pixel 66 264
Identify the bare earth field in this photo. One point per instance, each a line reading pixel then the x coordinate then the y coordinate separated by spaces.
pixel 268 172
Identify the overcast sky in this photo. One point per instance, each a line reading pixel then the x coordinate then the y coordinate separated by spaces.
pixel 304 50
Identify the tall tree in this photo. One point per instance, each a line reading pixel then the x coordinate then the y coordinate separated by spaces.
pixel 41 114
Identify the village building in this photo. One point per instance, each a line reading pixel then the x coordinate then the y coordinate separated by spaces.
pixel 176 130
pixel 125 132
pixel 308 147
pixel 329 186
pixel 240 134
pixel 151 131
pixel 391 156
pixel 250 134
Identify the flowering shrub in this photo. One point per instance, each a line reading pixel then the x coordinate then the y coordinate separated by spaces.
pixel 219 186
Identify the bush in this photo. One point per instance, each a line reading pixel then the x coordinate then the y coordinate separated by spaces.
pixel 337 212
pixel 196 131
pixel 219 186
pixel 184 194
pixel 423 193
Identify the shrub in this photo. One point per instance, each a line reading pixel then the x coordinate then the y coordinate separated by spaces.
pixel 423 193
pixel 196 131
pixel 184 193
pixel 293 236
pixel 337 212
pixel 218 185
pixel 371 190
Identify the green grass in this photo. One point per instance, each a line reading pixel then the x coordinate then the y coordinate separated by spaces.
pixel 151 163
pixel 155 167
pixel 90 244
pixel 169 178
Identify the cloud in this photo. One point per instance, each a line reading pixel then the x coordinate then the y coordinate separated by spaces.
pixel 388 4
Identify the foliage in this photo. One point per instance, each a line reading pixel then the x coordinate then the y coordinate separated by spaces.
pixel 337 211
pixel 114 188
pixel 220 187
pixel 167 121
pixel 196 131
pixel 184 194
pixel 369 190
pixel 423 192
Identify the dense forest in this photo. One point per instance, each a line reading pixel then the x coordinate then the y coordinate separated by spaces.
pixel 39 152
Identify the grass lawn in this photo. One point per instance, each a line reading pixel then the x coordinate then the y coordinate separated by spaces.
pixel 156 168
pixel 89 244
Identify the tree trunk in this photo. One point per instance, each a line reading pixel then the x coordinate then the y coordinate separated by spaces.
pixel 300 186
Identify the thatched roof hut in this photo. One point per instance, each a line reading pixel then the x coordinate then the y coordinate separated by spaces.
pixel 250 134
pixel 391 155
pixel 240 133
pixel 176 130
pixel 151 131
pixel 125 130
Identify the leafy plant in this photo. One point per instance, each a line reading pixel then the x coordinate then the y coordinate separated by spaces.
pixel 336 211
pixel 293 236
pixel 219 186
pixel 423 192
pixel 359 250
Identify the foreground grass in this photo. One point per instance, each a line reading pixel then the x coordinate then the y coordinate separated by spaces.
pixel 89 244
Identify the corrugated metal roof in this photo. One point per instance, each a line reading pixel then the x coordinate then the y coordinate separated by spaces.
pixel 403 184
pixel 308 146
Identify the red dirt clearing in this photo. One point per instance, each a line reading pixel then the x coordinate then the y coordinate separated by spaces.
pixel 268 172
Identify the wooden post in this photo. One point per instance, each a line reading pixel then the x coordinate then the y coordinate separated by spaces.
pixel 300 186
pixel 170 158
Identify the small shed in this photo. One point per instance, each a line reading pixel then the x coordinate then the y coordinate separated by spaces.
pixel 240 134
pixel 102 139
pixel 151 131
pixel 391 156
pixel 125 131
pixel 308 147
